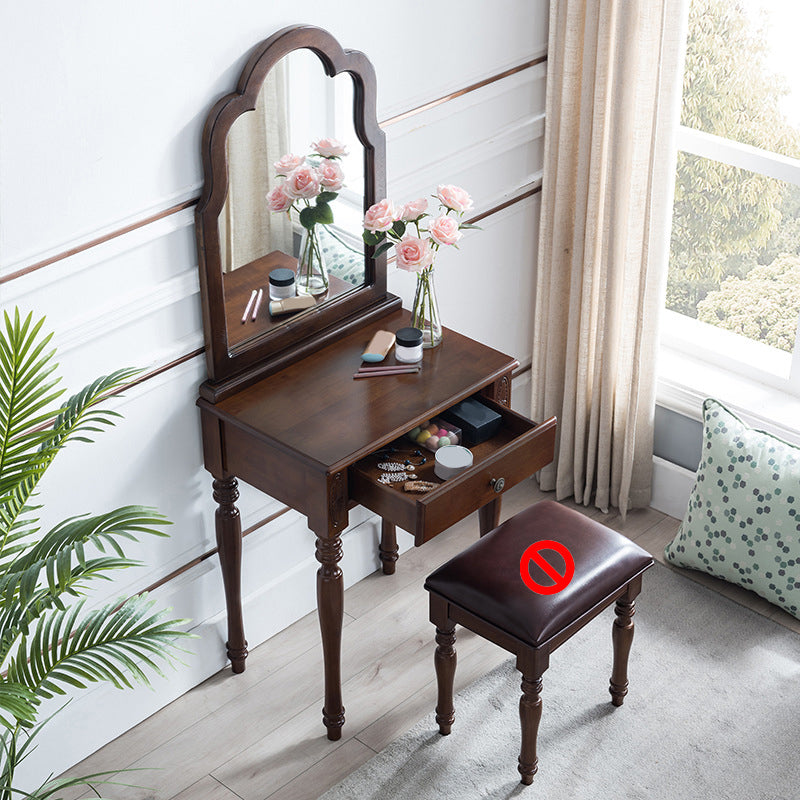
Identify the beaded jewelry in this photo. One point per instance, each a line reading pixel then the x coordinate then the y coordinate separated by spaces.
pixel 394 477
pixel 390 466
pixel 405 463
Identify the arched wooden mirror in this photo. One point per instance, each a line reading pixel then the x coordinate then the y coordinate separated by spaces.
pixel 298 87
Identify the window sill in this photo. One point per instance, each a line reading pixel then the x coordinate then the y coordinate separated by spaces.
pixel 698 361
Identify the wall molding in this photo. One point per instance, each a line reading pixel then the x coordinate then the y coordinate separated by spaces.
pixel 101 239
pixel 466 90
pixel 189 197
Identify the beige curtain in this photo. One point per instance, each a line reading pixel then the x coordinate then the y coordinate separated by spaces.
pixel 248 229
pixel 613 98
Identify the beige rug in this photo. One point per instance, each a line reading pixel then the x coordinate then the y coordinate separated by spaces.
pixel 713 713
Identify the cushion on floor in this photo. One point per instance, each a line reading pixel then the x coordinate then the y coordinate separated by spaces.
pixel 743 519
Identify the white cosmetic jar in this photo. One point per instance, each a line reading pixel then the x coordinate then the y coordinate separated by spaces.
pixel 451 460
pixel 281 284
pixel 408 345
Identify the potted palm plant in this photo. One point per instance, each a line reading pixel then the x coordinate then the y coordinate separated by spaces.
pixel 50 640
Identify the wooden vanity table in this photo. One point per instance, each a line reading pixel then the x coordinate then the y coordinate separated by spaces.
pixel 301 434
pixel 281 409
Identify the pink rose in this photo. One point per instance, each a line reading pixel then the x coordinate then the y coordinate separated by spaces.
pixel 278 200
pixel 302 182
pixel 380 217
pixel 454 197
pixel 329 148
pixel 414 209
pixel 287 163
pixel 444 230
pixel 331 175
pixel 414 254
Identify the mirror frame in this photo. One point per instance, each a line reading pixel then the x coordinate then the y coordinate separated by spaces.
pixel 312 329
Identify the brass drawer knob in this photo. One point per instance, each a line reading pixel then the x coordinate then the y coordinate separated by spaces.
pixel 498 484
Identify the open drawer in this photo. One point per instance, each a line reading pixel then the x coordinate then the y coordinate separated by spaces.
pixel 520 448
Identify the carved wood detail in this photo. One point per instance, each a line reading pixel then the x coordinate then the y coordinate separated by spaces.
pixel 622 637
pixel 337 501
pixel 444 660
pixel 388 549
pixel 229 543
pixel 530 713
pixel 330 606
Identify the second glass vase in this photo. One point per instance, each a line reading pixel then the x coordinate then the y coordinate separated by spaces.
pixel 312 273
pixel 425 311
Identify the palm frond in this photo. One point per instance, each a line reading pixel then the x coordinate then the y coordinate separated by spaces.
pixel 17 704
pixel 31 453
pixel 48 643
pixel 115 643
pixel 34 581
pixel 53 786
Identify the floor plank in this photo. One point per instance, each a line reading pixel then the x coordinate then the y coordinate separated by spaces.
pixel 206 788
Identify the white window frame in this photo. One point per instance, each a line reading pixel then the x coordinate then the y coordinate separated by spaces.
pixel 699 360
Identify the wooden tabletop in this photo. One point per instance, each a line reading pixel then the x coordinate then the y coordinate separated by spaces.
pixel 316 409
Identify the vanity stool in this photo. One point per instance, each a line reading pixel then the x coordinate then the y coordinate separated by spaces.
pixel 483 590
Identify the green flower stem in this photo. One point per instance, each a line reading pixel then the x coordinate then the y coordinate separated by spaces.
pixel 309 257
pixel 425 313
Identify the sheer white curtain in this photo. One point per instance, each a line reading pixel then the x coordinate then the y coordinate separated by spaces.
pixel 248 229
pixel 613 99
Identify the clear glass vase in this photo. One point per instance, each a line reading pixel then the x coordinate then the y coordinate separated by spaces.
pixel 425 311
pixel 312 273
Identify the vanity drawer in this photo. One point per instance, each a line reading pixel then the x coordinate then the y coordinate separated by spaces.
pixel 520 448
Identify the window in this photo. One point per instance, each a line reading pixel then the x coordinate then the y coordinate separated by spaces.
pixel 733 294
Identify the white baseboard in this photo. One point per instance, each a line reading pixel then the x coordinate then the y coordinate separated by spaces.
pixel 672 486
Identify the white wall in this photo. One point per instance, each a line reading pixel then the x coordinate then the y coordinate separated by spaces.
pixel 102 108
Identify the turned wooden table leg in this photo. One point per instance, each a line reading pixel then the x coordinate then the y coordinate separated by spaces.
pixel 489 516
pixel 444 660
pixel 530 713
pixel 622 637
pixel 229 544
pixel 388 547
pixel 330 608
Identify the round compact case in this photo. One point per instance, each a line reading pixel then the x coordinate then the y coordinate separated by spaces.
pixel 452 460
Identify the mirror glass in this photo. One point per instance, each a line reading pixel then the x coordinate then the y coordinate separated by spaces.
pixel 298 105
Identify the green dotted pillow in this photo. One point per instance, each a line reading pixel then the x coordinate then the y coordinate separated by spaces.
pixel 743 519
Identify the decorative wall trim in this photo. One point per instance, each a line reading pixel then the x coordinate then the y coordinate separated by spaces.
pixel 471 88
pixel 99 240
pixel 192 201
pixel 209 553
pixel 532 189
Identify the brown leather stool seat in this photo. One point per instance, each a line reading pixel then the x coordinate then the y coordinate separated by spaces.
pixel 482 589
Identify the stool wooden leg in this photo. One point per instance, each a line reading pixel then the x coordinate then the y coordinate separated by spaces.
pixel 530 712
pixel 622 637
pixel 445 662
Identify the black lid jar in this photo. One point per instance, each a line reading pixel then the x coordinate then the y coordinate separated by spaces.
pixel 408 345
pixel 281 283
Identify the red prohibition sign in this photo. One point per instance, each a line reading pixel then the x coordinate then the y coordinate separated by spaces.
pixel 532 554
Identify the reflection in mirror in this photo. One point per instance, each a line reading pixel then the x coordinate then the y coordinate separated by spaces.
pixel 296 106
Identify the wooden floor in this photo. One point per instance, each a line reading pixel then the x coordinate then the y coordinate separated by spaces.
pixel 259 735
